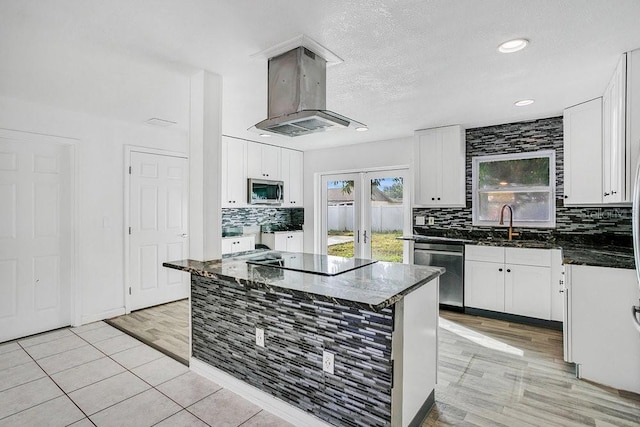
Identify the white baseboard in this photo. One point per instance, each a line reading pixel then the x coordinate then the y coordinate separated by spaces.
pixel 266 401
pixel 88 318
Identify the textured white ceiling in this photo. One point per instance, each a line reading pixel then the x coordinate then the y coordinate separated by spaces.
pixel 408 64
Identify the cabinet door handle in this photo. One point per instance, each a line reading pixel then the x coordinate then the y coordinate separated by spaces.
pixel 433 198
pixel 499 269
pixel 606 194
pixel 508 270
pixel 438 198
pixel 566 197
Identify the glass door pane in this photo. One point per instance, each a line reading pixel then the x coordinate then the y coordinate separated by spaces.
pixel 384 216
pixel 364 213
pixel 342 207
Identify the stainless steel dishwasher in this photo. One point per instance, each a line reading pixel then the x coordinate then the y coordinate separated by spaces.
pixel 449 255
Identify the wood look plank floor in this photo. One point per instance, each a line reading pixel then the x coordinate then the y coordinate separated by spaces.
pixel 490 373
pixel 498 373
pixel 164 327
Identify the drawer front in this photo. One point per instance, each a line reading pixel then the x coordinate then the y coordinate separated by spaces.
pixel 523 256
pixel 484 253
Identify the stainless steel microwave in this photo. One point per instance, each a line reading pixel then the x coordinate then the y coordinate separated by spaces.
pixel 265 192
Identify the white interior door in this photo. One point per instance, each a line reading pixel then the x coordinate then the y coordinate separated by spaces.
pixel 35 236
pixel 158 228
pixel 363 213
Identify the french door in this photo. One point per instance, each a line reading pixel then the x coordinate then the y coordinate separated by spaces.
pixel 363 213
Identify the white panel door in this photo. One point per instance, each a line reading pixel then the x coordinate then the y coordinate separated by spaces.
pixel 158 228
pixel 35 242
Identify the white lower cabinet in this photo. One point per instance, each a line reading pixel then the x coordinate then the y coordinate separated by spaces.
pixel 526 291
pixel 513 280
pixel 287 241
pixel 484 285
pixel 238 244
pixel 602 339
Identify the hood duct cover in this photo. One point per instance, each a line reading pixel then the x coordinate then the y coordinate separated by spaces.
pixel 297 96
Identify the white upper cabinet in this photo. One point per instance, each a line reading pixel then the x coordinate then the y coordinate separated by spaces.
pixel 439 168
pixel 633 116
pixel 234 177
pixel 243 159
pixel 619 148
pixel 292 164
pixel 263 161
pixel 583 153
pixel 613 144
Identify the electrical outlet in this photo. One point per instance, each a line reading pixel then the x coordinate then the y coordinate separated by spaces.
pixel 327 362
pixel 419 220
pixel 260 337
pixel 432 220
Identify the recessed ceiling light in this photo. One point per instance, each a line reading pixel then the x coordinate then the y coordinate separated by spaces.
pixel 265 135
pixel 362 129
pixel 524 102
pixel 513 45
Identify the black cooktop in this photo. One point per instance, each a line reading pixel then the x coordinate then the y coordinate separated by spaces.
pixel 325 265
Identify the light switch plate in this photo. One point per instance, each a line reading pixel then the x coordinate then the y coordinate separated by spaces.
pixel 419 220
pixel 431 220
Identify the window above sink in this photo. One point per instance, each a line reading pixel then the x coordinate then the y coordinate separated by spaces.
pixel 524 181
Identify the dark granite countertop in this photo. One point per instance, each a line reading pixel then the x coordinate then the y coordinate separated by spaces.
pixel 374 286
pixel 595 253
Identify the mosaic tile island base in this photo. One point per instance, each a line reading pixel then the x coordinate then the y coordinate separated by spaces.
pixel 379 321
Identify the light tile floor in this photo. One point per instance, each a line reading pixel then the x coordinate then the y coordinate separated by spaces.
pixel 95 375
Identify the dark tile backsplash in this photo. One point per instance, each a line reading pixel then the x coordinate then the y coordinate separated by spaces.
pixel 610 225
pixel 239 217
pixel 297 330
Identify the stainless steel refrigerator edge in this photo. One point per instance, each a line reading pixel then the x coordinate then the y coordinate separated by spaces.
pixel 636 239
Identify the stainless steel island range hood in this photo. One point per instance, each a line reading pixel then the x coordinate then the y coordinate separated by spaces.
pixel 297 96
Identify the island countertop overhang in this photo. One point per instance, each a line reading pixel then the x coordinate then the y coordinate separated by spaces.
pixel 374 286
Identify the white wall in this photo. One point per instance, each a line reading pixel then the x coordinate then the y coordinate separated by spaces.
pixel 100 193
pixel 389 154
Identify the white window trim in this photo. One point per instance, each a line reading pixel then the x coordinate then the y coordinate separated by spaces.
pixel 551 154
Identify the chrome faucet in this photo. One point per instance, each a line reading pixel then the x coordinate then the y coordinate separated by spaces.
pixel 511 233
